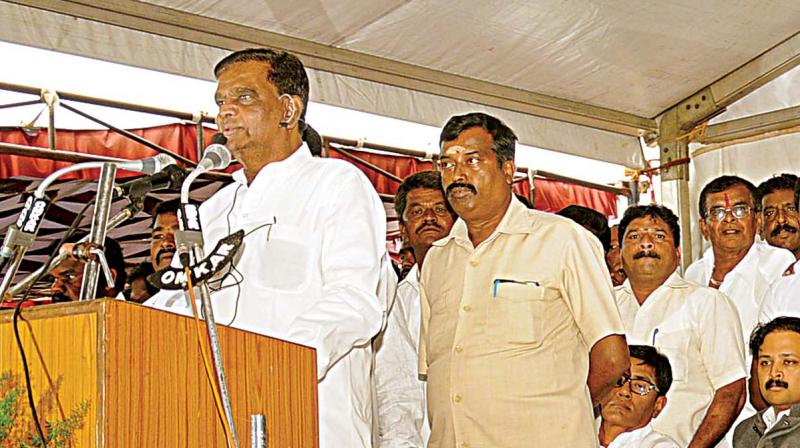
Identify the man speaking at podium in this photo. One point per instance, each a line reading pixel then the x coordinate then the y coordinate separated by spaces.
pixel 315 234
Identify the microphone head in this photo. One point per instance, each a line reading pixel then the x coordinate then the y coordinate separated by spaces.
pixel 152 165
pixel 216 157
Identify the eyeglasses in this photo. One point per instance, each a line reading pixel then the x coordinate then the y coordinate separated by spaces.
pixel 738 212
pixel 639 386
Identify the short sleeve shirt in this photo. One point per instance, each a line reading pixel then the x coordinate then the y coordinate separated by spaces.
pixel 698 329
pixel 506 331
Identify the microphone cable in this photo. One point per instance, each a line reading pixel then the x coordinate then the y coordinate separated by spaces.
pixel 17 315
pixel 204 352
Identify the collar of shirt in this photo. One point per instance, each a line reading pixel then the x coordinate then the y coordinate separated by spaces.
pixel 272 170
pixel 515 220
pixel 770 419
pixel 631 438
pixel 674 281
pixel 747 268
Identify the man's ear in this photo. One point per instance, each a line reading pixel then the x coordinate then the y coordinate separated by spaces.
pixel 403 232
pixel 292 110
pixel 704 229
pixel 509 168
pixel 659 406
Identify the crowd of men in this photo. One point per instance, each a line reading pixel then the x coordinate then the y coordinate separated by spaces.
pixel 509 327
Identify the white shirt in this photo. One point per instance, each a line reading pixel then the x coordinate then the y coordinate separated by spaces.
pixel 770 419
pixel 747 283
pixel 402 412
pixel 782 297
pixel 644 437
pixel 309 274
pixel 697 328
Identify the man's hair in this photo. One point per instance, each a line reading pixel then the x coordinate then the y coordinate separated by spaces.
pixel 141 271
pixel 170 206
pixel 424 179
pixel 113 253
pixel 723 183
pixel 797 194
pixel 650 356
pixel 286 72
pixel 596 222
pixel 503 137
pixel 782 323
pixel 653 211
pixel 783 181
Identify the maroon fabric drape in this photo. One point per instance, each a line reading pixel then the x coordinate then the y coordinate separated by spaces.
pixel 550 195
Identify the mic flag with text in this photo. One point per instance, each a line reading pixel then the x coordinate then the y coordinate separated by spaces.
pixel 175 278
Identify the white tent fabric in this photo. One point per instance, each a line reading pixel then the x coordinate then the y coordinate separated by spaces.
pixel 424 60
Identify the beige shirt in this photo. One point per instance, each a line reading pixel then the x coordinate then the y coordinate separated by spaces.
pixel 698 329
pixel 506 331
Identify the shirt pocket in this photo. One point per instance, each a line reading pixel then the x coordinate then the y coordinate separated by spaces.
pixel 516 313
pixel 673 342
pixel 280 257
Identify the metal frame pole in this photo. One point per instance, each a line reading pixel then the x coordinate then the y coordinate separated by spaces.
pixel 97 235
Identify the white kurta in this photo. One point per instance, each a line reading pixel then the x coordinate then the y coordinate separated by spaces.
pixel 697 328
pixel 747 283
pixel 309 273
pixel 783 296
pixel 402 412
pixel 644 437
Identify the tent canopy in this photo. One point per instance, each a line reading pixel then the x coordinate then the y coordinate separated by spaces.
pixel 581 77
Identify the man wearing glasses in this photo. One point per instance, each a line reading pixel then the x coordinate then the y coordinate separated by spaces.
pixel 696 327
pixel 636 401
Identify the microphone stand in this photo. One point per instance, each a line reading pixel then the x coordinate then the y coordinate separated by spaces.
pixel 97 234
pixel 190 239
pixel 136 205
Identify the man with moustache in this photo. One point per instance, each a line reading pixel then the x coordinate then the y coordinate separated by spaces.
pixel 424 218
pixel 779 217
pixel 309 267
pixel 511 299
pixel 696 327
pixel 737 263
pixel 636 401
pixel 613 258
pixel 783 297
pixel 162 233
pixel 776 348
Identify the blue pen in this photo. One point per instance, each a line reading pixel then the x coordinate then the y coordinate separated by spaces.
pixel 655 332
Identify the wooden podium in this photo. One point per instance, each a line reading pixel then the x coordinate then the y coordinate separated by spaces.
pixel 141 373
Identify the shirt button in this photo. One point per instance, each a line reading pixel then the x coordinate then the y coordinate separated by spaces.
pixel 464 445
pixel 466 308
pixel 473 263
pixel 457 398
pixel 459 349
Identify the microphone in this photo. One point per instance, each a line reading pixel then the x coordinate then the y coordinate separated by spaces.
pixel 150 165
pixel 216 155
pixel 169 178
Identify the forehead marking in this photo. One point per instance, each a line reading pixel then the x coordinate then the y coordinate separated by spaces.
pixel 727 200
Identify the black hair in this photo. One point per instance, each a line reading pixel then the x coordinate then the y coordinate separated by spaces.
pixel 170 206
pixel 141 271
pixel 723 183
pixel 524 201
pixel 503 137
pixel 592 220
pixel 783 181
pixel 760 332
pixel 423 179
pixel 113 253
pixel 797 194
pixel 650 356
pixel 653 211
pixel 286 72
